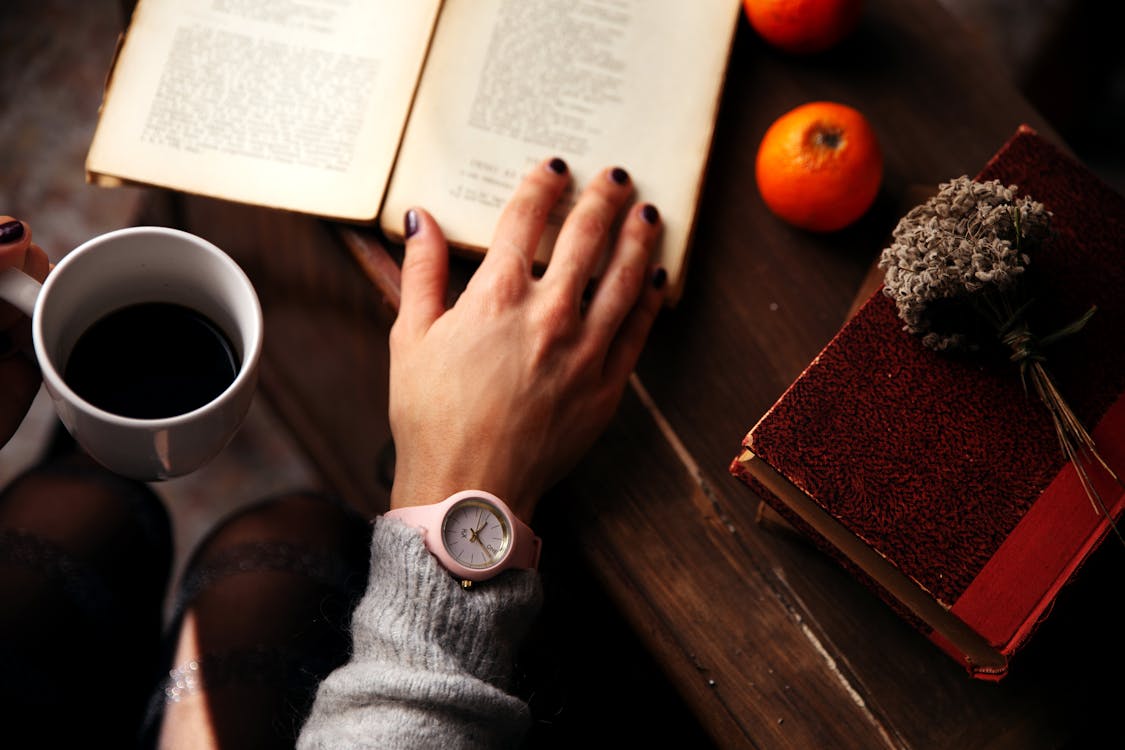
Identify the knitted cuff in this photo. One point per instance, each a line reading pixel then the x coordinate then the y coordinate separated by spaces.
pixel 436 624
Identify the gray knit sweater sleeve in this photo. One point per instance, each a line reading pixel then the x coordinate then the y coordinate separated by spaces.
pixel 431 662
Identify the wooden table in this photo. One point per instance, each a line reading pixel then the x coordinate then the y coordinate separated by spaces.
pixel 767 641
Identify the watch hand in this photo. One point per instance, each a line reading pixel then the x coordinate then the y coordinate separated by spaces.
pixel 483 520
pixel 477 539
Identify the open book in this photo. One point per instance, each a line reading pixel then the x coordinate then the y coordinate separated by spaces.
pixel 359 109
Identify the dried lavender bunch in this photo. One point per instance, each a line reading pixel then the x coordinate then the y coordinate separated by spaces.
pixel 970 238
pixel 957 261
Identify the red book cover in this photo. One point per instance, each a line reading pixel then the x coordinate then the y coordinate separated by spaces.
pixel 936 479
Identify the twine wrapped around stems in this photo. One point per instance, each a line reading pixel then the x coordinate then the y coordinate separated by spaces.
pixel 957 261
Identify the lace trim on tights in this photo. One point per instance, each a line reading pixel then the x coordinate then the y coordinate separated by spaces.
pixel 254 556
pixel 78 581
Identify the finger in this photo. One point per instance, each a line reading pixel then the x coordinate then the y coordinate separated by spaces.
pixel 630 339
pixel 15 244
pixel 582 240
pixel 522 221
pixel 15 238
pixel 625 276
pixel 425 274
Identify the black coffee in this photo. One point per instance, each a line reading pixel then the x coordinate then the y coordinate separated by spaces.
pixel 151 361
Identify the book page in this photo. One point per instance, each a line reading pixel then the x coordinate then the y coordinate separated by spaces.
pixel 297 105
pixel 632 83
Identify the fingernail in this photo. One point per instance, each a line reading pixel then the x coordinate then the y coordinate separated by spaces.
pixel 619 175
pixel 659 278
pixel 649 213
pixel 411 223
pixel 10 231
pixel 557 165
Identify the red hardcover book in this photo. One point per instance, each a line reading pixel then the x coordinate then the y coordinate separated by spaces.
pixel 936 479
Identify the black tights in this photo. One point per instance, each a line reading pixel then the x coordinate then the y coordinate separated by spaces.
pixel 261 615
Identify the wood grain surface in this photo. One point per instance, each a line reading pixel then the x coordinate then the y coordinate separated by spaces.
pixel 765 639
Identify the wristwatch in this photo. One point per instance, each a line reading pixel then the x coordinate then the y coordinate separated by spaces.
pixel 473 534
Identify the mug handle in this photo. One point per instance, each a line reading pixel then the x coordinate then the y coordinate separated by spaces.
pixel 19 289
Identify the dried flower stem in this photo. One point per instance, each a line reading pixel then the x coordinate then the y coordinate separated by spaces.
pixel 1077 444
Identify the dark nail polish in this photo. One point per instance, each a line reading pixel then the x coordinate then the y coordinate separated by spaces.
pixel 659 278
pixel 557 165
pixel 10 231
pixel 649 213
pixel 619 175
pixel 411 223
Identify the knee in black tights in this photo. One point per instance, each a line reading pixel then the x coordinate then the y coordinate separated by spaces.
pixel 84 562
pixel 262 617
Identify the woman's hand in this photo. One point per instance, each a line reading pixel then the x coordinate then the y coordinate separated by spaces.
pixel 507 389
pixel 19 375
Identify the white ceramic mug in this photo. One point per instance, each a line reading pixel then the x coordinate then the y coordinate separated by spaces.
pixel 133 266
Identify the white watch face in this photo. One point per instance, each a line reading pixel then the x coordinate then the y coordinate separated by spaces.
pixel 475 533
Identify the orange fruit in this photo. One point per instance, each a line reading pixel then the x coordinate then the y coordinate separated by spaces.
pixel 819 166
pixel 803 26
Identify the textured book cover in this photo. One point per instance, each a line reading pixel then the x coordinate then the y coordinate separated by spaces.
pixel 936 479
